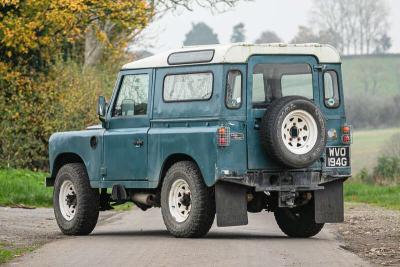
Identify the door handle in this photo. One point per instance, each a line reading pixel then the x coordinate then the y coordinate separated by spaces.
pixel 138 143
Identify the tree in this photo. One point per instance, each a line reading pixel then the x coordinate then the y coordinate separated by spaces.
pixel 238 33
pixel 355 24
pixel 200 34
pixel 268 37
pixel 383 44
pixel 305 35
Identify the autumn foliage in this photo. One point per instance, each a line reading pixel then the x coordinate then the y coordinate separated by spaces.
pixel 44 84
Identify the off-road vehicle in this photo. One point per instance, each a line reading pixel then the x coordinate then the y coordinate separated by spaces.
pixel 213 130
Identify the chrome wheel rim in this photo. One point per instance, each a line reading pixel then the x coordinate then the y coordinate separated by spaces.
pixel 299 132
pixel 67 200
pixel 179 200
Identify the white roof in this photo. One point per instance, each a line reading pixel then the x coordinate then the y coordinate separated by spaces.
pixel 240 52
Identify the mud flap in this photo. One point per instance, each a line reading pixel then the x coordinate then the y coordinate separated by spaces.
pixel 329 203
pixel 231 204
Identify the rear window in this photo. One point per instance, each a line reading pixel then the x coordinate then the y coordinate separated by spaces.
pixel 188 87
pixel 272 81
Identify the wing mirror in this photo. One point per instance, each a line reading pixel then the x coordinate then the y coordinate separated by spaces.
pixel 102 108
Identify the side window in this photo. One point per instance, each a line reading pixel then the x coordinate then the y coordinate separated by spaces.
pixel 331 89
pixel 132 96
pixel 186 87
pixel 233 98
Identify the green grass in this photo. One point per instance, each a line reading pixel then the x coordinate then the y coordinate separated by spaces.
pixel 384 196
pixel 7 253
pixel 367 146
pixel 23 187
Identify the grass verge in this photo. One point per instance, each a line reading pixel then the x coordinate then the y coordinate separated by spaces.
pixel 23 187
pixel 384 196
pixel 7 253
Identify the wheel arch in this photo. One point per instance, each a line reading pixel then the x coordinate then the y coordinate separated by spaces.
pixel 62 159
pixel 171 160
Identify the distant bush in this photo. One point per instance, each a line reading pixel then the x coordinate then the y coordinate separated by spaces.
pixel 373 111
pixel 387 171
pixel 364 176
pixel 387 168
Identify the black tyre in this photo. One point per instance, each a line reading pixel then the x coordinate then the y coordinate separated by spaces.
pixel 187 204
pixel 298 222
pixel 76 204
pixel 293 131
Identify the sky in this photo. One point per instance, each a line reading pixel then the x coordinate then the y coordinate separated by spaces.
pixel 281 16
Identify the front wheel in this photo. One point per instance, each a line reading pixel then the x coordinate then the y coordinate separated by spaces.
pixel 76 204
pixel 299 221
pixel 187 204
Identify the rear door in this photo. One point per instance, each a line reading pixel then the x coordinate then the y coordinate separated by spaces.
pixel 271 77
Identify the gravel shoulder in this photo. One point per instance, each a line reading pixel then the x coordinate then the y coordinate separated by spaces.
pixel 27 229
pixel 373 233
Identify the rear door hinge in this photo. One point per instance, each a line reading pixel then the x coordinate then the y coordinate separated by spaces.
pixel 319 67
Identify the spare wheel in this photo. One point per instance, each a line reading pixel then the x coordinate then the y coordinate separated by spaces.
pixel 293 131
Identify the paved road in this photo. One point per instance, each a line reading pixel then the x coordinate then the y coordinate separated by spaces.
pixel 140 239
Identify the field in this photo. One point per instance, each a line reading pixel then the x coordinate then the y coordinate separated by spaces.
pixel 367 146
pixel 372 75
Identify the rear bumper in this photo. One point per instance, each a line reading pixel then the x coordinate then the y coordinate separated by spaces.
pixel 285 181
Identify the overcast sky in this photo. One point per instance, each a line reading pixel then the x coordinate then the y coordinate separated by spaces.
pixel 281 16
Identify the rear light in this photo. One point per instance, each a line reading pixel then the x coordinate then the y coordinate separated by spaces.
pixel 223 136
pixel 346 129
pixel 346 139
pixel 346 134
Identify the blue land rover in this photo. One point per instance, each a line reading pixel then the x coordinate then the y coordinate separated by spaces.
pixel 212 130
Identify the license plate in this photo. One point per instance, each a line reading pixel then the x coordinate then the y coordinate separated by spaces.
pixel 337 156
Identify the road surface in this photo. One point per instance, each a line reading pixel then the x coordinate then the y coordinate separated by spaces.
pixel 139 238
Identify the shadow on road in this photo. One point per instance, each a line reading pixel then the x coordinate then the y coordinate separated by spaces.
pixel 212 235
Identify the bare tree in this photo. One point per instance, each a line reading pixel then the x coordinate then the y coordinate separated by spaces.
pixel 305 35
pixel 356 24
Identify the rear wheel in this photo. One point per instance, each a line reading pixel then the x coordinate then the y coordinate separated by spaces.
pixel 299 221
pixel 187 204
pixel 76 204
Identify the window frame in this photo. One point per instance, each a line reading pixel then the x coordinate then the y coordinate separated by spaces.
pixel 187 73
pixel 241 89
pixel 338 88
pixel 121 80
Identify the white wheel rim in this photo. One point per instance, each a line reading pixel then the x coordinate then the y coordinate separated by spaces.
pixel 67 200
pixel 299 132
pixel 180 200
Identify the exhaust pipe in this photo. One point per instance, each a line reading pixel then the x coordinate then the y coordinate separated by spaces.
pixel 144 198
